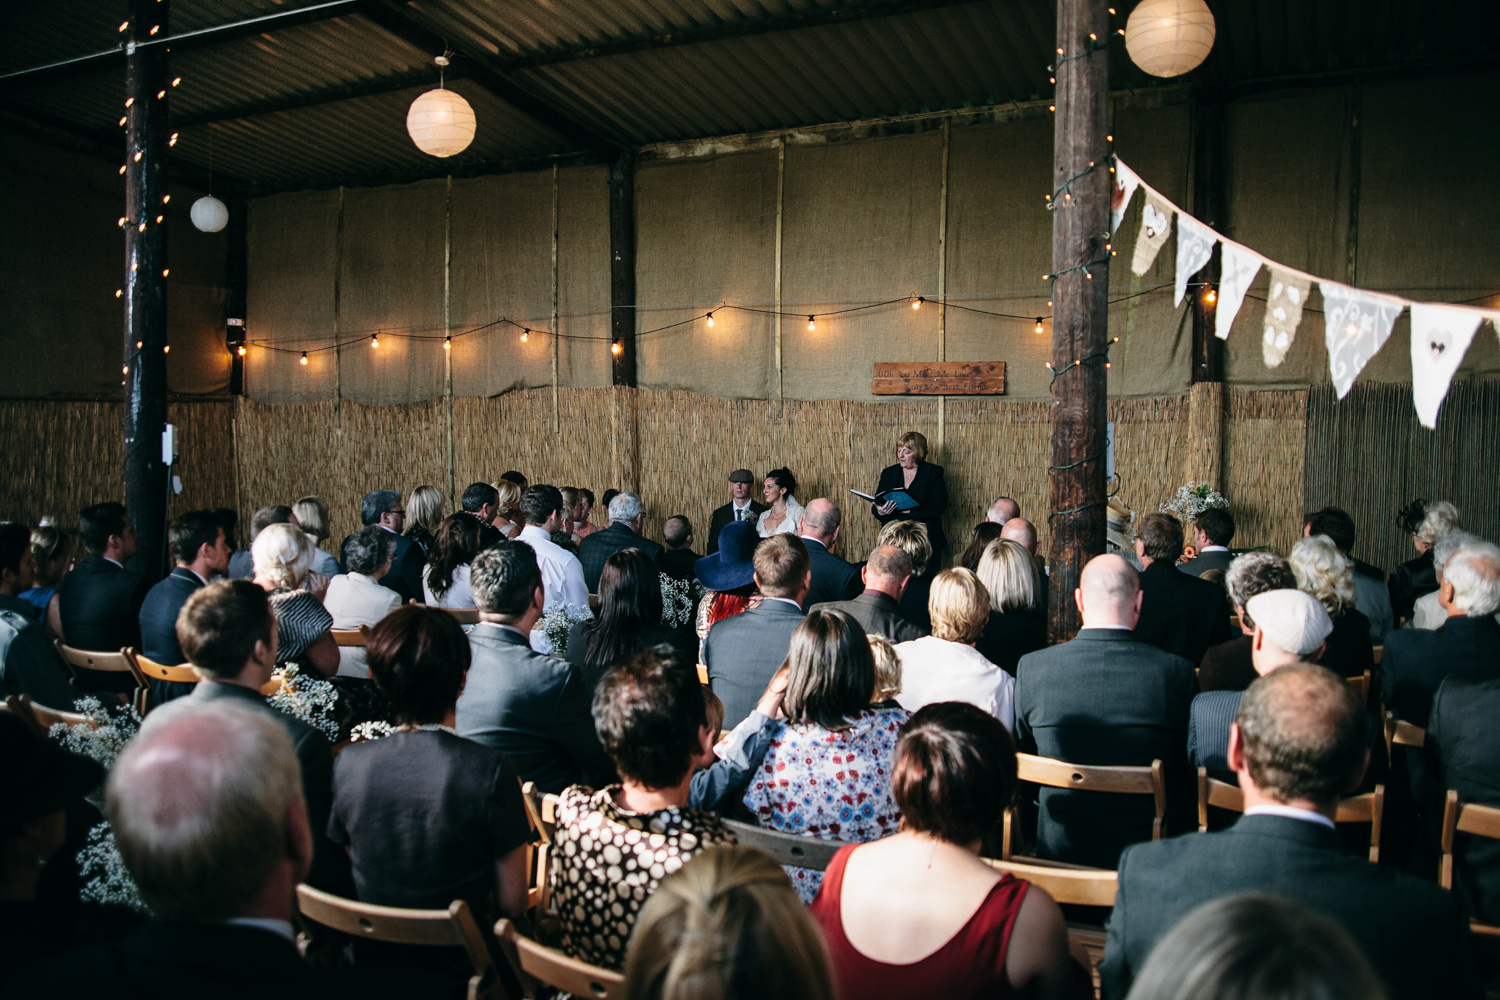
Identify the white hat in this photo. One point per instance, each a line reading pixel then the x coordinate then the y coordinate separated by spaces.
pixel 1294 621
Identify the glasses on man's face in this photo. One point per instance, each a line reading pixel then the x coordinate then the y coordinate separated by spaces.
pixel 398 510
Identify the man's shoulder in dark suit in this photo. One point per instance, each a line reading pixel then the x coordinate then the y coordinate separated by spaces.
pixel 99 603
pixel 595 550
pixel 1181 613
pixel 723 516
pixel 1416 661
pixel 1204 562
pixel 1209 719
pixel 833 579
pixel 878 614
pixel 159 616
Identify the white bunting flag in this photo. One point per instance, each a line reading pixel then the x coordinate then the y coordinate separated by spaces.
pixel 1238 267
pixel 1356 326
pixel 1126 181
pixel 1287 294
pixel 1156 226
pixel 1195 246
pixel 1440 335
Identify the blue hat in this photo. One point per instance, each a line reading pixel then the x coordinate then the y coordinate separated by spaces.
pixel 732 566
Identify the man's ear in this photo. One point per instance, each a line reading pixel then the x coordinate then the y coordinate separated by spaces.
pixel 1257 639
pixel 864 575
pixel 1236 752
pixel 1140 600
pixel 539 598
pixel 1078 598
pixel 756 578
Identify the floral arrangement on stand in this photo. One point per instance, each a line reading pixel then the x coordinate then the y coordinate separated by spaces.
pixel 1193 498
pixel 679 601
pixel 556 624
pixel 307 698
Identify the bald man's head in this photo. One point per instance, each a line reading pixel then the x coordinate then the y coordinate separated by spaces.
pixel 1021 531
pixel 821 520
pixel 1002 510
pixel 1109 593
pixel 1301 735
pixel 887 571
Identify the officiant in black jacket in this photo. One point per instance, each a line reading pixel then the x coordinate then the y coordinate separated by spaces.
pixel 923 481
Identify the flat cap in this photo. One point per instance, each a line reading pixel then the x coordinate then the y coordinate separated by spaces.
pixel 1292 620
pixel 742 476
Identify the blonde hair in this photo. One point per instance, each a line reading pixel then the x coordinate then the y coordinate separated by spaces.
pixel 427 506
pixel 48 543
pixel 916 441
pixel 508 500
pixel 1441 518
pixel 727 926
pixel 1007 572
pixel 282 554
pixel 959 605
pixel 910 537
pixel 1324 572
pixel 887 668
pixel 312 517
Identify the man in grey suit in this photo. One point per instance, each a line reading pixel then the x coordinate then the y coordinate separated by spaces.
pixel 1298 745
pixel 744 651
pixel 533 707
pixel 1212 531
pixel 877 609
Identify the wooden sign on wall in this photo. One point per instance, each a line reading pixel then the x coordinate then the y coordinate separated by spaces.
pixel 939 378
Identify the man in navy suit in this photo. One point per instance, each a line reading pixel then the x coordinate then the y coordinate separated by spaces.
pixel 196 541
pixel 626 518
pixel 100 600
pixel 384 507
pixel 832 578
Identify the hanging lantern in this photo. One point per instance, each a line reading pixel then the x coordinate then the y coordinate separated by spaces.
pixel 1169 37
pixel 441 122
pixel 209 214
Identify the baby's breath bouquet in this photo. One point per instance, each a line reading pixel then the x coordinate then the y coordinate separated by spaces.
pixel 310 699
pixel 1192 499
pixel 102 741
pixel 557 623
pixel 106 880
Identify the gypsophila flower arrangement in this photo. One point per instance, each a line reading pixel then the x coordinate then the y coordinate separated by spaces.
pixel 679 599
pixel 375 729
pixel 1192 499
pixel 556 625
pixel 102 741
pixel 309 699
pixel 106 880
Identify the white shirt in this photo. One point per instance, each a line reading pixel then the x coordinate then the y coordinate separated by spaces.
pixel 742 512
pixel 458 594
pixel 355 599
pixel 1213 548
pixel 562 573
pixel 934 670
pixel 1291 812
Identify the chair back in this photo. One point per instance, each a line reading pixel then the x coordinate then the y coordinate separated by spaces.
pixel 122 662
pixel 350 636
pixel 152 670
pixel 464 616
pixel 1360 686
pixel 1379 653
pixel 1470 818
pixel 542 811
pixel 786 848
pixel 1090 778
pixel 703 675
pixel 1066 884
pixel 1366 808
pixel 1402 733
pixel 547 967
pixel 453 927
pixel 41 717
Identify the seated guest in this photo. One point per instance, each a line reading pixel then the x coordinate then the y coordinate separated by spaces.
pixel 1002 510
pixel 241 563
pixel 562 573
pixel 979 539
pixel 283 558
pixel 29 663
pixel 886 576
pixel 616 844
pixel 1298 745
pixel 1428 612
pixel 580 509
pixel 727 576
pixel 628 621
pixel 383 508
pixel 445 581
pixel 679 558
pixel 918 913
pixel 1256 946
pixel 52 554
pixel 1023 533
pixel 626 518
pixel 887 671
pixel 911 537
pixel 832 749
pixel 1105 697
pixel 743 652
pixel 1179 612
pixel 534 708
pixel 1467 645
pixel 737 757
pixel 1416 577
pixel 1326 573
pixel 726 925
pixel 311 515
pixel 227 631
pixel 196 541
pixel 945 666
pixel 1290 627
pixel 506 514
pixel 99 602
pixel 741 507
pixel 480 502
pixel 1463 746
pixel 832 578
pixel 425 509
pixel 518 479
pixel 1228 666
pixel 1018 620
pixel 427 816
pixel 356 598
pixel 1371 595
pixel 1212 531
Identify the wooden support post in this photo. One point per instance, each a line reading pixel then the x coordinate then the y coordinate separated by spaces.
pixel 622 268
pixel 237 283
pixel 556 339
pixel 1210 206
pixel 448 327
pixel 1080 293
pixel 145 375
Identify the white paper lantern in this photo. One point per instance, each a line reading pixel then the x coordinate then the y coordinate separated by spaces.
pixel 209 214
pixel 1169 37
pixel 441 123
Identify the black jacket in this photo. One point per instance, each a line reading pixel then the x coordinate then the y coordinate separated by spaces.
pixel 832 578
pixel 29 663
pixel 929 490
pixel 159 628
pixel 100 603
pixel 725 516
pixel 595 550
pixel 1350 652
pixel 1410 581
pixel 1106 697
pixel 1181 613
pixel 744 651
pixel 1414 934
pixel 1418 660
pixel 1464 744
pixel 1203 562
pixel 1010 635
pixel 878 614
pixel 1228 666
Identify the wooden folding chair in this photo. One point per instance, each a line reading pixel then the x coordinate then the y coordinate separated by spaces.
pixel 1402 733
pixel 41 717
pixel 786 848
pixel 1070 884
pixel 152 670
pixel 545 969
pixel 1473 819
pixel 542 811
pixel 1360 686
pixel 1367 808
pixel 1379 652
pixel 703 675
pixel 273 685
pixel 1090 778
pixel 350 636
pixel 122 662
pixel 453 927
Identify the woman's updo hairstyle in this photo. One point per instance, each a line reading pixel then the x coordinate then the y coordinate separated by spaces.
pixel 784 479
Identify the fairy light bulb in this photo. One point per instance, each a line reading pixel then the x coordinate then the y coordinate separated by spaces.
pixel 916 303
pixel 375 340
pixel 304 358
pixel 525 336
pixel 166 348
pixel 447 343
pixel 1210 296
pixel 241 351
pixel 616 348
pixel 1039 324
pixel 812 324
pixel 710 319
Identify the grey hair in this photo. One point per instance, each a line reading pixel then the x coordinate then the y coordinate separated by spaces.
pixel 377 502
pixel 625 507
pixel 368 549
pixel 200 803
pixel 1441 518
pixel 1444 547
pixel 1324 572
pixel 1254 573
pixel 283 554
pixel 1474 572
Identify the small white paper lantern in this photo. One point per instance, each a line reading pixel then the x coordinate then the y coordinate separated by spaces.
pixel 1170 37
pixel 209 214
pixel 441 123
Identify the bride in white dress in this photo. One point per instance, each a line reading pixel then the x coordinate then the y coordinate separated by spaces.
pixel 785 513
